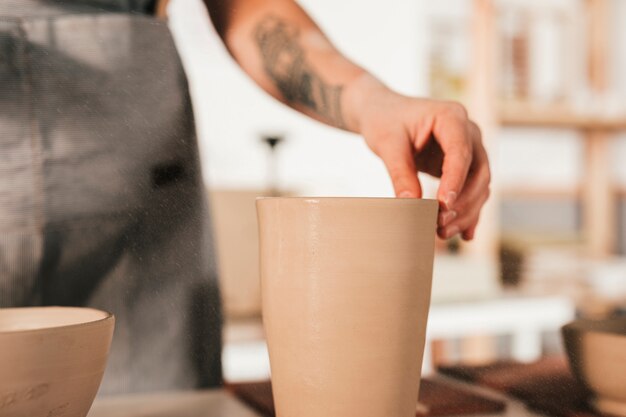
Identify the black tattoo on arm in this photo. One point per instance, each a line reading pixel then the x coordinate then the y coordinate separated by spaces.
pixel 285 62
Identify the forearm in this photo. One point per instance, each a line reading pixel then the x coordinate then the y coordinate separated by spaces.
pixel 285 52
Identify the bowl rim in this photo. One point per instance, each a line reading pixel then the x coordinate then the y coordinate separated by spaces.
pixel 587 326
pixel 107 316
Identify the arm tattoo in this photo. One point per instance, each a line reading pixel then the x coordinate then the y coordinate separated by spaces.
pixel 285 62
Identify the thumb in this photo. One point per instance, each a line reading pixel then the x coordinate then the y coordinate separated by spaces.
pixel 400 165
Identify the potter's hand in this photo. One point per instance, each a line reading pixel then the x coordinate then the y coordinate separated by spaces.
pixel 285 52
pixel 416 135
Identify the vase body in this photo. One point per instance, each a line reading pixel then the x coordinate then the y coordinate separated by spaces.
pixel 345 286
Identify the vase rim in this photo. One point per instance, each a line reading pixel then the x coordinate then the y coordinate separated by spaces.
pixel 314 198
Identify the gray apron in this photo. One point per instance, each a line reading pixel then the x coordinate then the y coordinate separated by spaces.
pixel 101 197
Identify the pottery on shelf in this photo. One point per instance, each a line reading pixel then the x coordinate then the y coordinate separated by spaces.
pixel 345 286
pixel 597 356
pixel 52 360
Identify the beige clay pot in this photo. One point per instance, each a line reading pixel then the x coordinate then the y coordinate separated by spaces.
pixel 52 360
pixel 346 287
pixel 597 354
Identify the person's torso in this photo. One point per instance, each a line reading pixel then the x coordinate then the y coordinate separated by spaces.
pixel 95 116
pixel 26 9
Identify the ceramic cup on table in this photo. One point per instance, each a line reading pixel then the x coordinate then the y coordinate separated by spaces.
pixel 52 360
pixel 597 354
pixel 345 286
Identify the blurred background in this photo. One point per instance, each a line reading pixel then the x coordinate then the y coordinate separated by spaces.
pixel 543 79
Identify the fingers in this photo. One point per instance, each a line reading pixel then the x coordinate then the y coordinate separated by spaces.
pixel 453 134
pixel 465 223
pixel 400 164
pixel 469 233
pixel 439 139
pixel 474 195
pixel 477 183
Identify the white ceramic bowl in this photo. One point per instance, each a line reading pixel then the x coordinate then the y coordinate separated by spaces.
pixel 597 355
pixel 52 360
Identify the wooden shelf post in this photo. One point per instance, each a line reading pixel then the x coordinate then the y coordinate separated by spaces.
pixel 599 210
pixel 481 104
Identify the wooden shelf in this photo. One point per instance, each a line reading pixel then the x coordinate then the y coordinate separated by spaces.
pixel 596 192
pixel 514 192
pixel 526 115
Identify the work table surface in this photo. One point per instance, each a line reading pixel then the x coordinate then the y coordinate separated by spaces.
pixel 221 403
pixel 210 403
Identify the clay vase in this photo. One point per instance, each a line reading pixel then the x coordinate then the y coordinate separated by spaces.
pixel 597 354
pixel 52 360
pixel 345 286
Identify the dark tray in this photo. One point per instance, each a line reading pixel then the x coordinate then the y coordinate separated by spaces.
pixel 438 398
pixel 547 386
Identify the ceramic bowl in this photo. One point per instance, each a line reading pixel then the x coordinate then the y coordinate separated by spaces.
pixel 597 355
pixel 52 360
